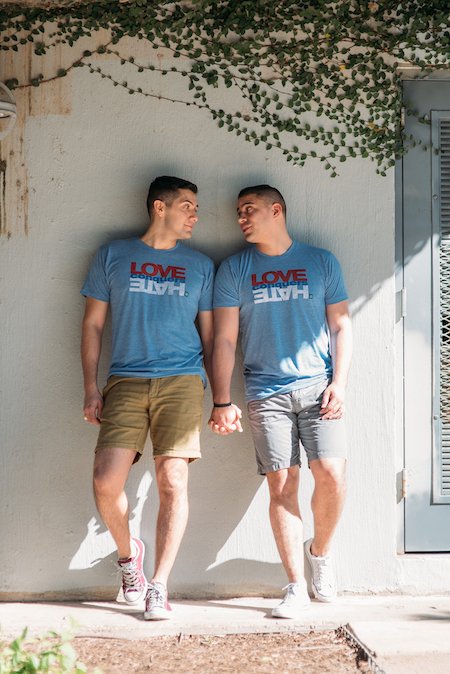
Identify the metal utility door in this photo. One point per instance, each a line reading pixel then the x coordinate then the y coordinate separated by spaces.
pixel 426 259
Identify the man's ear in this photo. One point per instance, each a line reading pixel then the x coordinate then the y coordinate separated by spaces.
pixel 159 207
pixel 277 210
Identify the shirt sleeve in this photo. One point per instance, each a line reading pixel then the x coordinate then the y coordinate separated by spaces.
pixel 206 298
pixel 335 290
pixel 96 283
pixel 226 293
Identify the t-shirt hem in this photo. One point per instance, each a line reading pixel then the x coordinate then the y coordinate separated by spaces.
pixel 94 296
pixel 159 375
pixel 336 301
pixel 293 386
pixel 225 305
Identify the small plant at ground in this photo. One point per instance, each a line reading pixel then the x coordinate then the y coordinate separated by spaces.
pixel 51 653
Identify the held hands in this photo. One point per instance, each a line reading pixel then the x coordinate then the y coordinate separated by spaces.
pixel 93 405
pixel 225 420
pixel 333 402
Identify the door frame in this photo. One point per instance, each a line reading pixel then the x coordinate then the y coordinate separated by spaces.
pixel 400 462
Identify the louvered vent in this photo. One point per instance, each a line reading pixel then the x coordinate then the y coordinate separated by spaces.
pixel 446 460
pixel 445 178
pixel 444 260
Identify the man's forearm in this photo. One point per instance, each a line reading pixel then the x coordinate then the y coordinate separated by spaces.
pixel 207 362
pixel 341 352
pixel 91 344
pixel 222 365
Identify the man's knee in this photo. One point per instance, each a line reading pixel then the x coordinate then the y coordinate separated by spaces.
pixel 111 468
pixel 329 474
pixel 172 477
pixel 283 485
pixel 103 485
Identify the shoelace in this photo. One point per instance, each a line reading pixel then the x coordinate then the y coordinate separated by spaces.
pixel 131 575
pixel 291 592
pixel 156 596
pixel 322 572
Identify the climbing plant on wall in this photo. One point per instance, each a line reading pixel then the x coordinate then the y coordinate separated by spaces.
pixel 317 79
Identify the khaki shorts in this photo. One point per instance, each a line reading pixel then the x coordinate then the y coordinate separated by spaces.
pixel 170 406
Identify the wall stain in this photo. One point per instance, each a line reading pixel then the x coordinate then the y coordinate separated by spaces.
pixel 55 97
pixel 3 196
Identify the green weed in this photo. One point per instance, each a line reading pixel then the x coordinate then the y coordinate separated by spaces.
pixel 50 653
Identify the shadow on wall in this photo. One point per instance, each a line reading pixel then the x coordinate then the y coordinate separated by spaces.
pixel 98 542
pixel 221 552
pixel 215 551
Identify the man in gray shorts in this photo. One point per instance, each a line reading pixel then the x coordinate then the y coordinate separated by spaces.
pixel 289 301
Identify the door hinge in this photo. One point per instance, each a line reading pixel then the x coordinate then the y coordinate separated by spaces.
pixel 404 485
pixel 403 302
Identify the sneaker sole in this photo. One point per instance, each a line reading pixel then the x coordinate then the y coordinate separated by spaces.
pixel 157 614
pixel 322 597
pixel 141 597
pixel 298 614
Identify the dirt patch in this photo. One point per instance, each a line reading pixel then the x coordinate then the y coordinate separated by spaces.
pixel 313 653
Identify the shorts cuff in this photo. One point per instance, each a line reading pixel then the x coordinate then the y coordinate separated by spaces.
pixel 122 445
pixel 263 470
pixel 332 455
pixel 190 454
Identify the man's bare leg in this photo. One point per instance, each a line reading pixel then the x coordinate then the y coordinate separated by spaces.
pixel 286 522
pixel 327 501
pixel 172 479
pixel 111 468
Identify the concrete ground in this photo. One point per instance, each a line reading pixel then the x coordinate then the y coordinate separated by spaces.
pixel 408 635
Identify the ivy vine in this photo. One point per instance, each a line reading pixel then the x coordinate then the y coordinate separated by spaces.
pixel 317 79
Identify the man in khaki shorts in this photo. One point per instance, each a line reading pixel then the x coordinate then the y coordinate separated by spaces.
pixel 289 301
pixel 157 288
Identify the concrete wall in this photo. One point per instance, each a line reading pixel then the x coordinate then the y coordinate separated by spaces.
pixel 77 169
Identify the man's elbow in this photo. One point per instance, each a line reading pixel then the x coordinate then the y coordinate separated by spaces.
pixel 223 342
pixel 89 327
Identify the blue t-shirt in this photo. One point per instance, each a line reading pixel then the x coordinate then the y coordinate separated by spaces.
pixel 282 319
pixel 155 296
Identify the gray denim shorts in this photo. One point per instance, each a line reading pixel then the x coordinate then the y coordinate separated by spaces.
pixel 279 423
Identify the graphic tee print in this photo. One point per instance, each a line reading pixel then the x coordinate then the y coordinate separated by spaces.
pixel 282 301
pixel 155 296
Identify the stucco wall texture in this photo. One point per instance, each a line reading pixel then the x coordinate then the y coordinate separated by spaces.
pixel 77 169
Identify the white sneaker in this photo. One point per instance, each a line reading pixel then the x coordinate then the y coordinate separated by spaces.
pixel 322 580
pixel 156 603
pixel 294 603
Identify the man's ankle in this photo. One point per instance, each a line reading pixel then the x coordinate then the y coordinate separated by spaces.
pixel 323 551
pixel 301 581
pixel 125 552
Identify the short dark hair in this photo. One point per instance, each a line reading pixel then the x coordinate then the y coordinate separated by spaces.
pixel 165 188
pixel 266 192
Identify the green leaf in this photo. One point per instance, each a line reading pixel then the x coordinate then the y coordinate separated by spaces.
pixel 249 43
